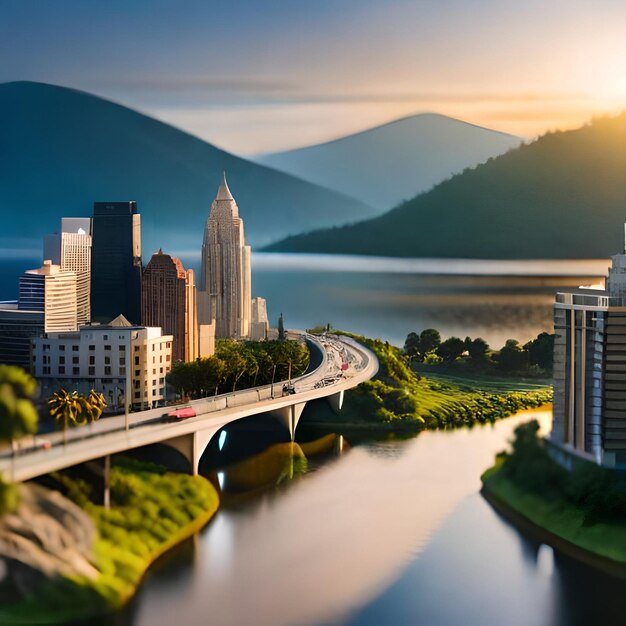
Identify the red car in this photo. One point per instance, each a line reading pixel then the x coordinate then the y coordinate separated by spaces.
pixel 182 414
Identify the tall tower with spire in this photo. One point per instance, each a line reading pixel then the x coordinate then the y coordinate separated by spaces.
pixel 226 270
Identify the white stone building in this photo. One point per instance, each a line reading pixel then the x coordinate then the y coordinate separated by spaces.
pixel 109 358
pixel 53 292
pixel 260 325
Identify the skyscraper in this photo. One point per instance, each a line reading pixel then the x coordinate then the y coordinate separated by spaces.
pixel 52 292
pixel 169 301
pixel 116 262
pixel 226 271
pixel 70 249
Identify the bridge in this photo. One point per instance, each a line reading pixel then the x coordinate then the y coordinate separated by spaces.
pixel 344 363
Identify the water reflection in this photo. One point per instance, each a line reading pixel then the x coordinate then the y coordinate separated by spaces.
pixel 341 534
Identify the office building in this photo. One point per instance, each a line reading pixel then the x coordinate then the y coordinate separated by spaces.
pixel 589 407
pixel 116 262
pixel 70 249
pixel 17 328
pixel 53 293
pixel 110 358
pixel 226 270
pixel 169 301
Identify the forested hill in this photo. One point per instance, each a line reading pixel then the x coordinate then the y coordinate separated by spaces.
pixel 562 196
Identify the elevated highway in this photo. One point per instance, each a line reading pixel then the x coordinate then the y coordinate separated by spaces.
pixel 344 363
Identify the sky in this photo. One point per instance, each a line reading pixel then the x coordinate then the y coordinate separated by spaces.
pixel 265 75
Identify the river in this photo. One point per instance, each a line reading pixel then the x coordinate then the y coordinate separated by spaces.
pixel 391 532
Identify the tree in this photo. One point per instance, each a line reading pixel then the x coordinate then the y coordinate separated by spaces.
pixel 477 349
pixel 451 349
pixel 541 350
pixel 18 416
pixel 430 340
pixel 211 373
pixel 65 407
pixel 92 407
pixel 512 356
pixel 412 346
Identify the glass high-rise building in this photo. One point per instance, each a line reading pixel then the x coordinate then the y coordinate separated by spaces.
pixel 116 262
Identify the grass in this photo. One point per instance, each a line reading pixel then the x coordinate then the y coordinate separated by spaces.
pixel 151 512
pixel 558 516
pixel 398 398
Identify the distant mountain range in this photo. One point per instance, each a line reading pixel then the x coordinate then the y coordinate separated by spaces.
pixel 388 164
pixel 61 150
pixel 562 196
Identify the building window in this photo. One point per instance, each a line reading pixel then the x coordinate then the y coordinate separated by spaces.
pixel 92 371
pixel 161 381
pixel 76 371
pixel 105 337
pixel 154 372
pixel 92 360
pixel 107 360
pixel 75 360
pixel 61 369
pixel 61 347
pixel 107 347
pixel 122 361
pixel 122 371
pixel 161 359
pixel 122 348
pixel 137 384
pixel 46 369
pixel 62 360
pixel 169 344
pixel 167 357
pixel 160 370
pixel 107 370
pixel 136 348
pixel 137 394
pixel 136 360
pixel 154 359
pixel 154 392
pixel 74 348
pixel 92 347
pixel 153 347
pixel 46 346
pixel 137 372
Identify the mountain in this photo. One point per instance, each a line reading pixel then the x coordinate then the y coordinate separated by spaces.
pixel 562 196
pixel 385 165
pixel 62 149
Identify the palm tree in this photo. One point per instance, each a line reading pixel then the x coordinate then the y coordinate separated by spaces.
pixel 92 407
pixel 65 407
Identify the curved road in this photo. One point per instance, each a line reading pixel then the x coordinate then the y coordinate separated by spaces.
pixel 345 363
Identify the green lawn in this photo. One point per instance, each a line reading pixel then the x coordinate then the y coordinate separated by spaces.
pixel 400 399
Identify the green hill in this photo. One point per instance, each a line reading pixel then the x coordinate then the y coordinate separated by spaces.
pixel 562 196
pixel 62 149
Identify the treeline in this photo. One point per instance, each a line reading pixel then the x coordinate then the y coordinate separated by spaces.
pixel 531 358
pixel 239 365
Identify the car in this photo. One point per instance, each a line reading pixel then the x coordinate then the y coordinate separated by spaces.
pixel 181 414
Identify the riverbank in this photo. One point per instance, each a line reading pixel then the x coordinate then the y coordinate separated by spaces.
pixel 579 513
pixel 400 400
pixel 151 511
